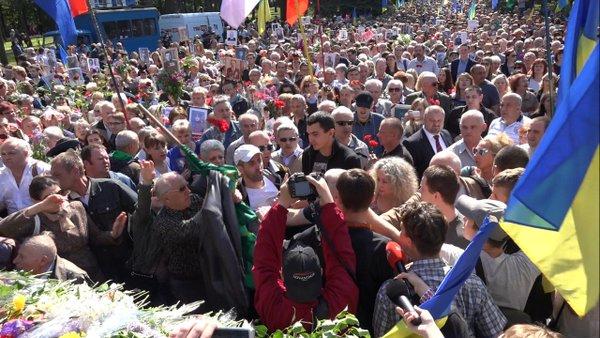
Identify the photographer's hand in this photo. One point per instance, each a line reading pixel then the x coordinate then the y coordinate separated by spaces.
pixel 322 190
pixel 285 199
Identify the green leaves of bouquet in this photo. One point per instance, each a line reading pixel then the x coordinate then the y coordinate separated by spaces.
pixel 345 324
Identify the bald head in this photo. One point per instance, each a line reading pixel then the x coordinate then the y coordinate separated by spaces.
pixel 447 158
pixel 36 254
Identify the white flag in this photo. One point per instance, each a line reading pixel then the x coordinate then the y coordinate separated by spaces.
pixel 234 12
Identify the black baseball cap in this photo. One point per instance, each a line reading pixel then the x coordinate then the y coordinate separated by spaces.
pixel 302 274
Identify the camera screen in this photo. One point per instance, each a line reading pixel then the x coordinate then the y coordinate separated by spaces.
pixel 302 188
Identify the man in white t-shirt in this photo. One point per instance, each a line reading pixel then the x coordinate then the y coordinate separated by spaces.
pixel 257 190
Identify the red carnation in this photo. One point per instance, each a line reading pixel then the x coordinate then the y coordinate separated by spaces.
pixel 221 124
pixel 279 104
pixel 373 144
pixel 433 101
pixel 248 83
pixel 368 138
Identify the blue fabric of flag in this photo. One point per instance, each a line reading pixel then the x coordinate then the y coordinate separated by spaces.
pixel 554 175
pixel 439 304
pixel 60 12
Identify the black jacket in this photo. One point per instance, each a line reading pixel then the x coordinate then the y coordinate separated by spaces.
pixel 419 147
pixel 108 198
pixel 220 251
pixel 341 157
pixel 452 122
pixel 399 151
pixel 454 68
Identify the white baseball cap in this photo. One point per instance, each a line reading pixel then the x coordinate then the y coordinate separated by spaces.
pixel 245 153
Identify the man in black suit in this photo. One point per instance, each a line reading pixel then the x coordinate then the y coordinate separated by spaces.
pixel 107 203
pixel 430 140
pixel 463 64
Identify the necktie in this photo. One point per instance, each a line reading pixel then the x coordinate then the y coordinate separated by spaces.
pixel 438 145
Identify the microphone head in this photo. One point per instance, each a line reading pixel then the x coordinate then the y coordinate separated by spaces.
pixel 394 254
pixel 397 288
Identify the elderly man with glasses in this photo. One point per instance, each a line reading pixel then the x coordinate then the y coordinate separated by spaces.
pixel 274 171
pixel 344 121
pixel 289 151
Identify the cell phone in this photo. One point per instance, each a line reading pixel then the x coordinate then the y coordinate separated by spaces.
pixel 233 332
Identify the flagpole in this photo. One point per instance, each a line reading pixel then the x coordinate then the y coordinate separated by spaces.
pixel 108 61
pixel 304 41
pixel 548 56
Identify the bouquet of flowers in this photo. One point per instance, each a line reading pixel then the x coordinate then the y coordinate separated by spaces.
pixel 40 308
pixel 171 83
pixel 33 307
pixel 267 100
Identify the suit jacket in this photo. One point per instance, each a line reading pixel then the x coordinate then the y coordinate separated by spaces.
pixel 107 199
pixel 421 151
pixel 67 271
pixel 454 68
pixel 294 167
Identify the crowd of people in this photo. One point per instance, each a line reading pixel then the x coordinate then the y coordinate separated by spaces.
pixel 408 127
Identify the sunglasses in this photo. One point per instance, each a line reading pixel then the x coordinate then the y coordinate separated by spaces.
pixel 266 147
pixel 284 139
pixel 435 84
pixel 344 123
pixel 480 152
pixel 391 90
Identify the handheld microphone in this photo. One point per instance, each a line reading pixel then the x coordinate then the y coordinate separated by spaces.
pixel 398 291
pixel 394 255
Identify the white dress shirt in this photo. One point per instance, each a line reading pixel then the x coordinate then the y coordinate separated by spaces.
pixel 16 196
pixel 432 140
pixel 498 126
pixel 428 64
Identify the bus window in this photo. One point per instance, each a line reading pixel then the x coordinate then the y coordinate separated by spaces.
pixel 124 28
pixel 149 26
pixel 111 30
pixel 137 28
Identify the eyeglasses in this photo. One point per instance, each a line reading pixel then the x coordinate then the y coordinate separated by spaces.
pixel 266 147
pixel 480 152
pixel 286 139
pixel 344 123
pixel 435 84
pixel 391 90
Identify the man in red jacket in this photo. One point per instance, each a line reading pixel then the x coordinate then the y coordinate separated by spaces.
pixel 296 291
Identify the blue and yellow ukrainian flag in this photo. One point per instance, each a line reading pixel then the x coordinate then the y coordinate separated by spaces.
pixel 553 211
pixel 439 305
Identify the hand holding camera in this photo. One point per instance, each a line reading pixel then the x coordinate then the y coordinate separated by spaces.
pixel 304 187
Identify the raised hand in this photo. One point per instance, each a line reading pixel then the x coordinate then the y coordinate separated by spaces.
pixel 119 225
pixel 147 172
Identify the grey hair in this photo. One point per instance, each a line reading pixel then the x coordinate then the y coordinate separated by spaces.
pixel 342 110
pixel 375 82
pixel 220 100
pixel 287 126
pixel 394 82
pixel 472 113
pixel 402 176
pixel 165 182
pixel 210 145
pixel 125 138
pixel 20 144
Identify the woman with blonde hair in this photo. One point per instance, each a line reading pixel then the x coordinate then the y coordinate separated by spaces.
pixel 463 81
pixel 396 183
pixel 501 83
pixel 484 154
